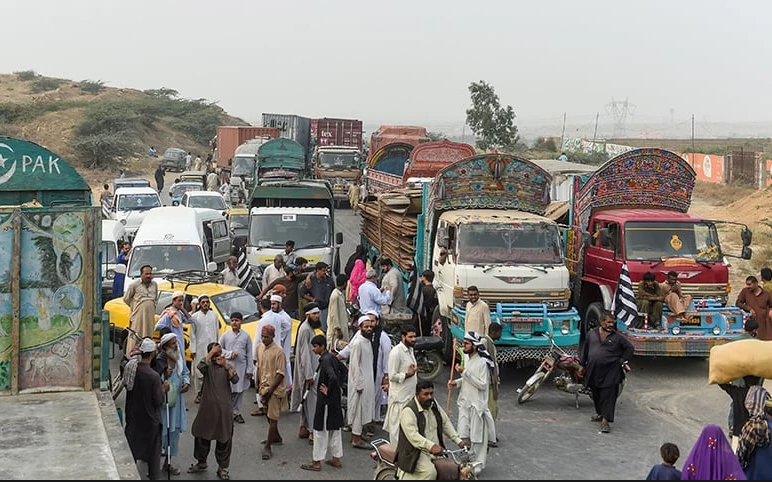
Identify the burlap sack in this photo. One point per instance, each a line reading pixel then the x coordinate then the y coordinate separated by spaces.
pixel 739 358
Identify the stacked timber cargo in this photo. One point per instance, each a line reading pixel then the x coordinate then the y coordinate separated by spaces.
pixel 389 224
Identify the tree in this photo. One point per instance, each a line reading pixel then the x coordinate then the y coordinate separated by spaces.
pixel 436 136
pixel 493 125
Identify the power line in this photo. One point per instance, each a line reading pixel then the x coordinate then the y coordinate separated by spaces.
pixel 620 110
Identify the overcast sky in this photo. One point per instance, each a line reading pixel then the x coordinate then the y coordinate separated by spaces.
pixel 411 61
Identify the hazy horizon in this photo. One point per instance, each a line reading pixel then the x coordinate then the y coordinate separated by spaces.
pixel 412 62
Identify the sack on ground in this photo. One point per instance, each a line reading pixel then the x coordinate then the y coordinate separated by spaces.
pixel 739 358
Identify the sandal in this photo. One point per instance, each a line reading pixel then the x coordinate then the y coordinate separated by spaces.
pixel 223 473
pixel 195 468
pixel 267 453
pixel 280 442
pixel 312 467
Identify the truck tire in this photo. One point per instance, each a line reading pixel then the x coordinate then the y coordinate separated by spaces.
pixel 592 317
pixel 447 340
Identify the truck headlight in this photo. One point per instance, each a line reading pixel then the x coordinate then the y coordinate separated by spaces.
pixel 564 330
pixel 556 304
pixel 716 330
pixel 676 330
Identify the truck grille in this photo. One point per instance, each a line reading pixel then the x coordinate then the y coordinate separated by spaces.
pixel 496 296
pixel 700 291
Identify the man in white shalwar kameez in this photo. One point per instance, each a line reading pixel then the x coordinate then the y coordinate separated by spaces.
pixel 282 325
pixel 204 329
pixel 381 349
pixel 475 421
pixel 361 389
pixel 337 316
pixel 402 380
pixel 306 363
pixel 237 349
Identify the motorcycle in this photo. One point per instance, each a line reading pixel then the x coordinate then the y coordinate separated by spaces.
pixel 428 355
pixel 566 372
pixel 386 466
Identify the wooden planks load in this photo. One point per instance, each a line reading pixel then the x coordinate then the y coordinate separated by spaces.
pixel 389 223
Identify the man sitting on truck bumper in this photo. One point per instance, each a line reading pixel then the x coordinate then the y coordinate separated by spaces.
pixel 676 300
pixel 650 299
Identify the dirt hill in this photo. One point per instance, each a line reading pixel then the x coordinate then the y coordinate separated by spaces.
pixel 52 112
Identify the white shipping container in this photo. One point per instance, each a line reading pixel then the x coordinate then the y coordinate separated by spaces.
pixel 292 127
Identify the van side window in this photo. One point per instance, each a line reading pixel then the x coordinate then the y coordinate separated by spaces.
pixel 219 230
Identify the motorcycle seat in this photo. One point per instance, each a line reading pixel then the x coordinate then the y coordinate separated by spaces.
pixel 388 452
pixel 428 343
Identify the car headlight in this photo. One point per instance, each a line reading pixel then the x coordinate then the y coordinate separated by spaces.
pixel 123 221
pixel 676 330
pixel 110 274
pixel 716 330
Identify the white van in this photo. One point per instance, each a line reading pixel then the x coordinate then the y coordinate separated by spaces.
pixel 113 236
pixel 177 238
pixel 130 205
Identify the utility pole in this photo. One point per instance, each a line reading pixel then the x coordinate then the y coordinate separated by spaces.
pixel 463 133
pixel 693 151
pixel 563 132
pixel 595 135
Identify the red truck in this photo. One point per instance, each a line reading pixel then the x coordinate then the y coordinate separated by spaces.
pixel 390 148
pixel 633 213
pixel 337 132
pixel 231 137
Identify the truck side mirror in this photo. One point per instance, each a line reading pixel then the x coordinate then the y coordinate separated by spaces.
pixel 747 236
pixel 746 252
pixel 338 238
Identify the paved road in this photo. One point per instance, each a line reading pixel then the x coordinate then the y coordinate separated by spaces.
pixel 665 400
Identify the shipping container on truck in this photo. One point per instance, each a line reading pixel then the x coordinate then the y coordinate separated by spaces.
pixel 231 137
pixel 293 127
pixel 337 132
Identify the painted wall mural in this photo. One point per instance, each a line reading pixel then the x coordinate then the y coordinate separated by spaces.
pixel 51 299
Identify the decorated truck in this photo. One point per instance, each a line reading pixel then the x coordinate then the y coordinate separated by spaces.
pixel 632 214
pixel 281 158
pixel 340 165
pixel 480 221
pixel 390 148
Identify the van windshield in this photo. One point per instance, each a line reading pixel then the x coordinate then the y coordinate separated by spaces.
pixel 273 230
pixel 165 258
pixel 131 202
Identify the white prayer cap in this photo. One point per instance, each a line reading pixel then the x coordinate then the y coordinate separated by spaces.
pixel 178 294
pixel 147 346
pixel 362 318
pixel 315 309
pixel 276 298
pixel 165 339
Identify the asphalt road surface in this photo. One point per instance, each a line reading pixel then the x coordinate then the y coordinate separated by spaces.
pixel 665 400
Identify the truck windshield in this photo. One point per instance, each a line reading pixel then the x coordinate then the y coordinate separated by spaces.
pixel 233 301
pixel 649 240
pixel 165 258
pixel 338 159
pixel 128 202
pixel 243 166
pixel 508 243
pixel 273 230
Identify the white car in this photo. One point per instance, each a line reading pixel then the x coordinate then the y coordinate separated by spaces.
pixel 130 205
pixel 204 199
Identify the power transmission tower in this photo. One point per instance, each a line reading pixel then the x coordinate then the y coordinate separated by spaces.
pixel 620 110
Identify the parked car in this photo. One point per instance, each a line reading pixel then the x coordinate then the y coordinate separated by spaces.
pixel 179 188
pixel 173 159
pixel 224 300
pixel 130 205
pixel 238 226
pixel 205 199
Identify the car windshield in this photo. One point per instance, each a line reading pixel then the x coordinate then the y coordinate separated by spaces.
pixel 210 202
pixel 174 154
pixel 237 300
pixel 509 243
pixel 273 230
pixel 129 202
pixel 165 258
pixel 338 159
pixel 179 189
pixel 239 223
pixel 243 166
pixel 649 241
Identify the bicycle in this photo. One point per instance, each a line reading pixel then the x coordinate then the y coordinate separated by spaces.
pixel 115 383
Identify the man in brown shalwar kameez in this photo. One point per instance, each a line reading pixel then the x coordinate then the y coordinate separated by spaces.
pixel 214 420
pixel 757 301
pixel 141 296
pixel 271 369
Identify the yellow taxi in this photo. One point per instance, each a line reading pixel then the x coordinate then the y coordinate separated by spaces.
pixel 238 225
pixel 224 300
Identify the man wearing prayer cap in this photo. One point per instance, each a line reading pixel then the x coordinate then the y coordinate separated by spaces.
pixel 306 364
pixel 475 422
pixel 143 411
pixel 173 318
pixel 282 325
pixel 172 368
pixel 237 349
pixel 361 380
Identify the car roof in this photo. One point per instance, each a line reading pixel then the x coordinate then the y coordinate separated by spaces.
pixel 203 193
pixel 197 289
pixel 135 190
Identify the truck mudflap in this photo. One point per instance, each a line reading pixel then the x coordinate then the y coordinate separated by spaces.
pixel 710 324
pixel 524 326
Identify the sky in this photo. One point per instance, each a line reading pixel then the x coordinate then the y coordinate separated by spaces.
pixel 411 62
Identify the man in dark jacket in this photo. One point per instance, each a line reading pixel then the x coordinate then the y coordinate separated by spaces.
pixel 214 420
pixel 328 415
pixel 159 177
pixel 604 355
pixel 143 412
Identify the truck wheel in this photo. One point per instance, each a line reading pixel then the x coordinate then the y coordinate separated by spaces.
pixel 592 317
pixel 447 340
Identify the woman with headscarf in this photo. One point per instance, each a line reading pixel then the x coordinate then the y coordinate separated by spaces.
pixel 359 253
pixel 711 458
pixel 754 450
pixel 357 279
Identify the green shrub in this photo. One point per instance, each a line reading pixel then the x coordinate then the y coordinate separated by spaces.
pixel 91 86
pixel 44 84
pixel 26 75
pixel 107 117
pixel 13 112
pixel 101 149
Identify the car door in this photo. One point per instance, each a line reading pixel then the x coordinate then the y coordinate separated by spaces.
pixel 221 244
pixel 185 200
